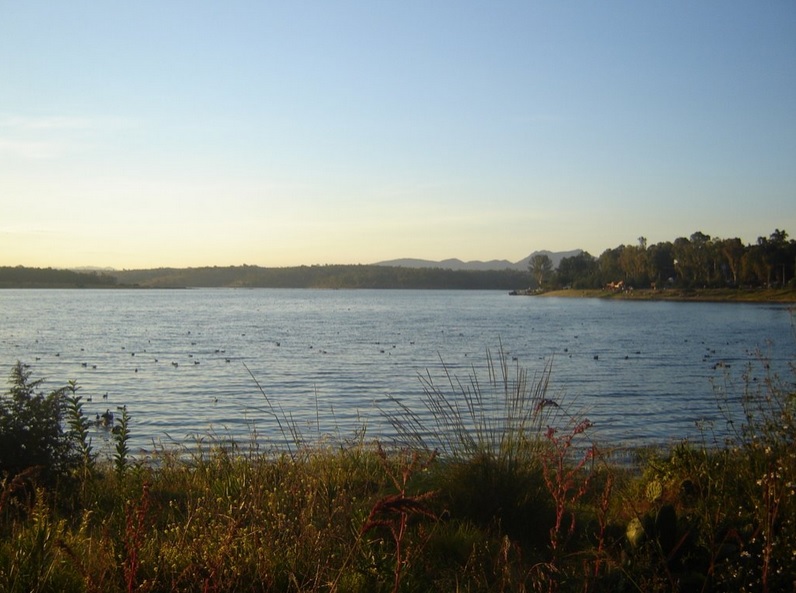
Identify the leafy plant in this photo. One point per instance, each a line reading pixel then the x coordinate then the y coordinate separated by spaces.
pixel 79 426
pixel 31 434
pixel 121 436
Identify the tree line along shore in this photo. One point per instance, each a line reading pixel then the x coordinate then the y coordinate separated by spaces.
pixel 692 264
pixel 367 277
pixel 245 276
pixel 699 267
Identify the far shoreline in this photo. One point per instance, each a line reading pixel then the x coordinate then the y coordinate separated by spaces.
pixel 706 295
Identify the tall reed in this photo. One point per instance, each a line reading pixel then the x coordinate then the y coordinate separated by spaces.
pixel 502 416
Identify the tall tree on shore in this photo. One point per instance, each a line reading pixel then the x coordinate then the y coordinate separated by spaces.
pixel 541 266
pixel 579 271
pixel 779 260
pixel 755 267
pixel 661 263
pixel 610 270
pixel 701 254
pixel 634 263
pixel 733 250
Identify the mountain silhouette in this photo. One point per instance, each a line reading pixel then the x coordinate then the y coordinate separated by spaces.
pixel 495 264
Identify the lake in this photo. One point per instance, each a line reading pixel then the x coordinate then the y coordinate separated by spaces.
pixel 234 363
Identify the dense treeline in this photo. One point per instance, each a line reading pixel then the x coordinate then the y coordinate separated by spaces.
pixel 22 277
pixel 331 276
pixel 328 276
pixel 700 261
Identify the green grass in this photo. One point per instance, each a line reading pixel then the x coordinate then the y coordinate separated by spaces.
pixel 513 497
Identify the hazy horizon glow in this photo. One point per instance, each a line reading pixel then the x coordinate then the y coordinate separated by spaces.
pixel 153 134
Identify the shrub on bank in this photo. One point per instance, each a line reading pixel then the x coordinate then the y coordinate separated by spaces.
pixel 32 439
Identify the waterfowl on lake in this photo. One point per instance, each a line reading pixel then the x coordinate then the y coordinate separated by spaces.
pixel 106 420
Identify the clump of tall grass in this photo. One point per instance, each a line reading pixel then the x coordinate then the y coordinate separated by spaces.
pixel 501 416
pixel 512 456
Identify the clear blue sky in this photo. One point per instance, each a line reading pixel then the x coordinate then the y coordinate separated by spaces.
pixel 187 133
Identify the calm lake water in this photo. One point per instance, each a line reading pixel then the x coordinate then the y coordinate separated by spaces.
pixel 642 372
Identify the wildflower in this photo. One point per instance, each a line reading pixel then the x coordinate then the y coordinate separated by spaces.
pixel 582 426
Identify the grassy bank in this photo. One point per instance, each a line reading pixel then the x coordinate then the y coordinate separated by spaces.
pixel 762 295
pixel 512 496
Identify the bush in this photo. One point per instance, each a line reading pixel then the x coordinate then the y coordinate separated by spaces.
pixel 31 434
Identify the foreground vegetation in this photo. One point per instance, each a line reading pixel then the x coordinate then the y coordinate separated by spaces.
pixel 511 495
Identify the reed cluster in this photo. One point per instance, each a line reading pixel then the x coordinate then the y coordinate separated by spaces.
pixel 504 491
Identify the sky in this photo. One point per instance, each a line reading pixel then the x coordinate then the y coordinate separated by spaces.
pixel 188 133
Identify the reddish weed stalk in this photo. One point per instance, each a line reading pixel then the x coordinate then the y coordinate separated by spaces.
pixel 602 521
pixel 136 514
pixel 565 484
pixel 394 511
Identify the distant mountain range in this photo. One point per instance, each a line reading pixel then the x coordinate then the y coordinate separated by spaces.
pixel 495 264
pixel 445 264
